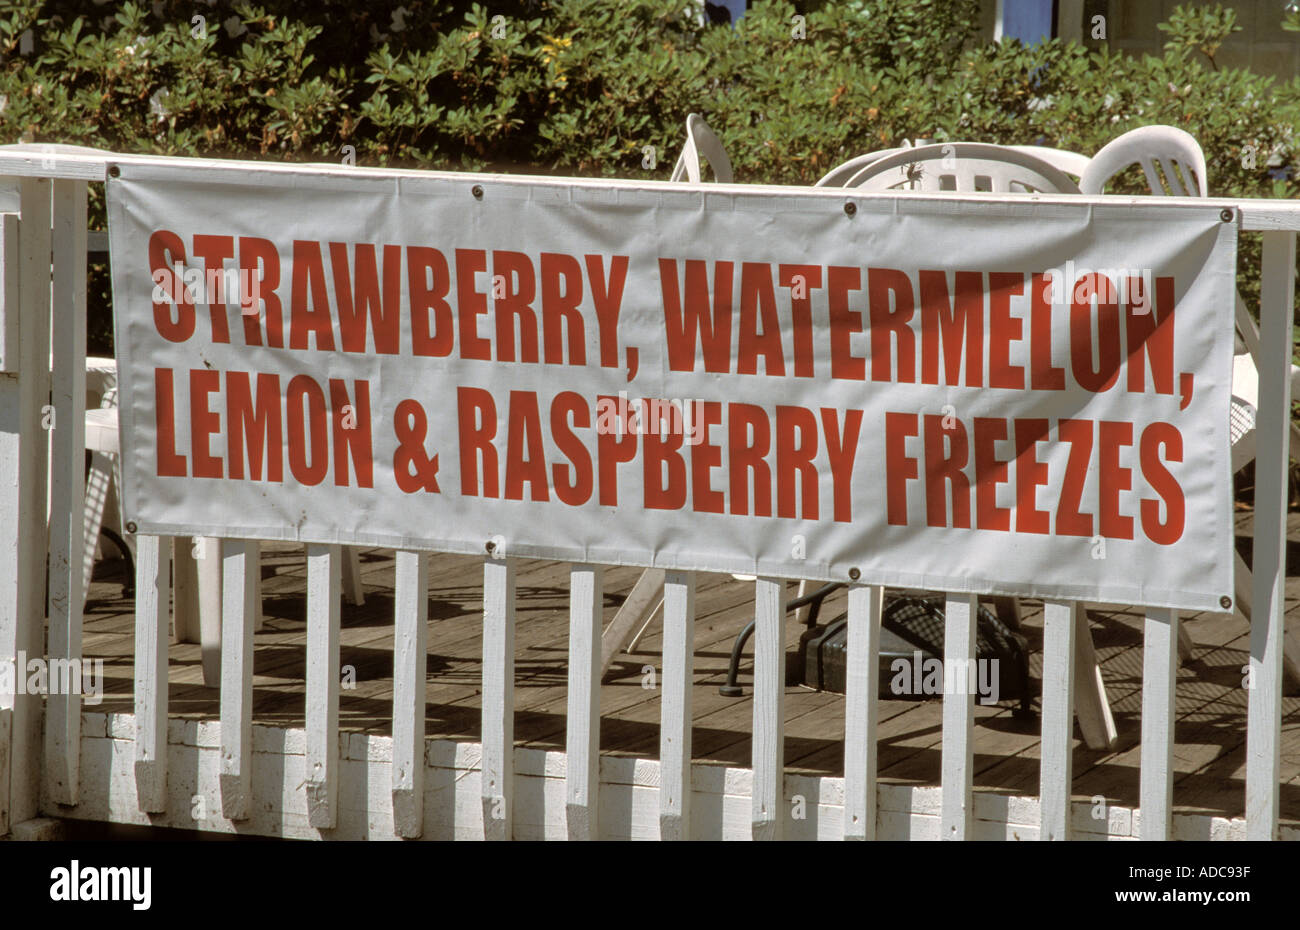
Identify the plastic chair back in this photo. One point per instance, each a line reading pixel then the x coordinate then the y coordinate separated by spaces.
pixel 701 140
pixel 1160 150
pixel 840 174
pixel 963 166
pixel 1072 163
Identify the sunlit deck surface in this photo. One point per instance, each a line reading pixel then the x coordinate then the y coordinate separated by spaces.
pixel 1209 755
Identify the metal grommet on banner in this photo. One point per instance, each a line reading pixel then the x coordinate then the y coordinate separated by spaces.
pixel 130 526
pixel 114 171
pixel 477 191
pixel 1225 602
pixel 850 208
pixel 490 546
pixel 854 574
pixel 1226 214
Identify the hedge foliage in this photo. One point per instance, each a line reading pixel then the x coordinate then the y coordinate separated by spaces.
pixel 603 86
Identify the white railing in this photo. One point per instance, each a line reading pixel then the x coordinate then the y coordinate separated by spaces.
pixel 43 194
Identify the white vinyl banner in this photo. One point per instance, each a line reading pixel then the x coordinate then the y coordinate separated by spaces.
pixel 1002 396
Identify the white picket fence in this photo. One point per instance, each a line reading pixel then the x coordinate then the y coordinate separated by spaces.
pixel 43 195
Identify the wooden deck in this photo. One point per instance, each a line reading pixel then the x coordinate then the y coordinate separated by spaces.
pixel 1209 755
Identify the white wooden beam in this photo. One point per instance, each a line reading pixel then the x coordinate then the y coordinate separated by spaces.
pixel 582 741
pixel 67 491
pixel 323 593
pixel 675 787
pixel 1159 678
pixel 861 699
pixel 410 673
pixel 239 611
pixel 260 620
pixel 152 606
pixel 185 596
pixel 6 745
pixel 1056 769
pixel 957 756
pixel 768 747
pixel 1272 465
pixel 498 697
pixel 207 566
pixel 24 390
pixel 10 345
pixel 199 592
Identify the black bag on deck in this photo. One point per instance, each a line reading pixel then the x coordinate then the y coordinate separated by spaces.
pixel 912 631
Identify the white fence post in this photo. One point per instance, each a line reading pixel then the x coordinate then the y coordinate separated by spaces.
pixel 410 665
pixel 24 391
pixel 675 787
pixel 957 755
pixel 498 697
pixel 67 492
pixel 152 607
pixel 861 701
pixel 10 451
pixel 1272 467
pixel 239 609
pixel 582 743
pixel 1056 770
pixel 768 817
pixel 324 588
pixel 1159 677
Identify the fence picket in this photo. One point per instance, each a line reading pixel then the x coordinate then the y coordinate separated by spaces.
pixel 1159 675
pixel 324 582
pixel 239 610
pixel 675 787
pixel 498 697
pixel 11 450
pixel 152 606
pixel 1272 490
pixel 67 490
pixel 768 748
pixel 410 660
pixel 958 718
pixel 1055 776
pixel 860 707
pixel 206 552
pixel 582 766
pixel 23 474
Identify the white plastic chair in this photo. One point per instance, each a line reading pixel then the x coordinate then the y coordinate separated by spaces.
pixel 963 166
pixel 1071 163
pixel 840 174
pixel 1162 151
pixel 1174 165
pixel 643 602
pixel 103 477
pixel 701 140
pixel 972 167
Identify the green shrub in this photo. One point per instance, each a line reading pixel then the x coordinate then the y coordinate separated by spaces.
pixel 596 86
